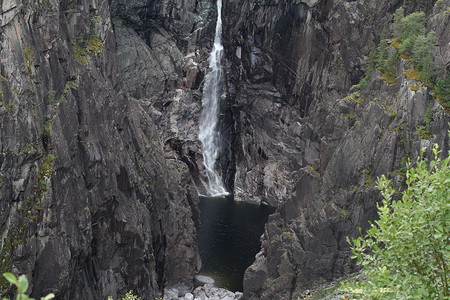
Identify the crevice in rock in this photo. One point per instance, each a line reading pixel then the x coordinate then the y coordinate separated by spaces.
pixel 226 128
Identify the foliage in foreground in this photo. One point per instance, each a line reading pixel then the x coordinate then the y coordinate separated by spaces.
pixel 22 286
pixel 405 254
pixel 128 296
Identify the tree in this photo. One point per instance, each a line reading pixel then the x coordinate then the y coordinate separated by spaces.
pixel 408 29
pixel 405 254
pixel 410 26
pixel 422 57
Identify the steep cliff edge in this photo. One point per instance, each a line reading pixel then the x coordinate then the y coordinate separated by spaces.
pixel 311 144
pixel 91 204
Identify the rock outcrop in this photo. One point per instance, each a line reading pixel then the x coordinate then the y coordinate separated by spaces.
pixel 206 292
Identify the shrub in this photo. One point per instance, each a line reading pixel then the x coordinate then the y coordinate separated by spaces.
pixel 95 45
pixel 425 130
pixel 405 254
pixel 128 296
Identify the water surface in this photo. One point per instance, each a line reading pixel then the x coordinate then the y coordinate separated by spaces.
pixel 229 238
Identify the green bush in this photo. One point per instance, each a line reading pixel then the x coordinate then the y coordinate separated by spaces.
pixel 405 254
pixel 128 296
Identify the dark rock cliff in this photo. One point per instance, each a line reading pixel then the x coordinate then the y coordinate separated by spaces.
pixel 163 49
pixel 91 204
pixel 307 142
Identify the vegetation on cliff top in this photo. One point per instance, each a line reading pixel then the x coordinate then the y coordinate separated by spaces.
pixel 411 41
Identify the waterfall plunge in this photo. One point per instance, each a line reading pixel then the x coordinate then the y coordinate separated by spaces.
pixel 208 135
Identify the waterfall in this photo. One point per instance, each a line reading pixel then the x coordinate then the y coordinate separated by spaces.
pixel 212 90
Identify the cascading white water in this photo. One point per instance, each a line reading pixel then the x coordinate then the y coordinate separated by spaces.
pixel 208 135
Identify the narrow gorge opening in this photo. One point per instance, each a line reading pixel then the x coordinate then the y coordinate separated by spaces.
pixel 230 231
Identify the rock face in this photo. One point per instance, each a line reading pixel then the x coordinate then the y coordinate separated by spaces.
pixel 307 142
pixel 162 52
pixel 92 205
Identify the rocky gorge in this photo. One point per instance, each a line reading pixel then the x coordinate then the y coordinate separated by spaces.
pixel 100 163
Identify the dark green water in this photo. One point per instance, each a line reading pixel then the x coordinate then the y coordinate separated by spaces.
pixel 229 239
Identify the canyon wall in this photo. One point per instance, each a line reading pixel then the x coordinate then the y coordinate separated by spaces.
pixel 100 164
pixel 92 204
pixel 308 140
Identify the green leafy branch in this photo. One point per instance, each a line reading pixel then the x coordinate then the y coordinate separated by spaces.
pixel 405 254
pixel 22 286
